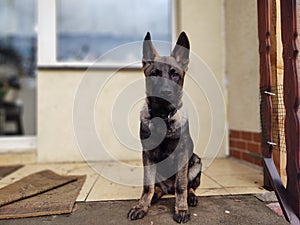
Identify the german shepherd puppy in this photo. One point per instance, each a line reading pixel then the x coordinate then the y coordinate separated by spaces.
pixel 170 166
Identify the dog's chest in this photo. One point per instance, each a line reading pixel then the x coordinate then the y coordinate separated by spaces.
pixel 171 127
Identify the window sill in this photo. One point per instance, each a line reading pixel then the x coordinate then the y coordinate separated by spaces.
pixel 17 144
pixel 89 65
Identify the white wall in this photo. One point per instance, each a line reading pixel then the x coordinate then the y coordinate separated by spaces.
pixel 56 92
pixel 204 22
pixel 242 65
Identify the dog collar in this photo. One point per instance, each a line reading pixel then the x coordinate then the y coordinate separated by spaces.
pixel 169 115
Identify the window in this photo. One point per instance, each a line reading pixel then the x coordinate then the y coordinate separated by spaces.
pixel 82 31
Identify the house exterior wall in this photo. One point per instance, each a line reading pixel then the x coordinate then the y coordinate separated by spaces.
pixel 242 68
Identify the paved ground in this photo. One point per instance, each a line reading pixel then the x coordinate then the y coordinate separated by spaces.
pixel 223 210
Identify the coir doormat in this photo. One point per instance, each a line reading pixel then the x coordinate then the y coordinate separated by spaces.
pixel 42 193
pixel 6 170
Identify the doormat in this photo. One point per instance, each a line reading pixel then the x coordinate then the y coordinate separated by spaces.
pixel 6 170
pixel 42 193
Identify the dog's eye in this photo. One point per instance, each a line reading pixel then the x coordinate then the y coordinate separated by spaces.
pixel 173 73
pixel 155 72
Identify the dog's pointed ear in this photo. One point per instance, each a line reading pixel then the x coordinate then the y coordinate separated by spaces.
pixel 149 52
pixel 181 51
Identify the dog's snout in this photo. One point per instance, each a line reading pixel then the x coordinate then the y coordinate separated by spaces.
pixel 166 93
pixel 166 89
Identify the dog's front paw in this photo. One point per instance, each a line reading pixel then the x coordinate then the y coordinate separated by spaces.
pixel 181 216
pixel 192 200
pixel 136 212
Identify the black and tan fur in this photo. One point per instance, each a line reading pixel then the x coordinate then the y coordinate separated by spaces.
pixel 170 166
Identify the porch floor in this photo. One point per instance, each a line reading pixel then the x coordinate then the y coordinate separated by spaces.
pixel 226 182
pixel 109 181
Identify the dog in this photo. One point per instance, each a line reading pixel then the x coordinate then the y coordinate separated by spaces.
pixel 170 166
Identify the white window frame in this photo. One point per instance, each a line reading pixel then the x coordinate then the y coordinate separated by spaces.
pixel 47 45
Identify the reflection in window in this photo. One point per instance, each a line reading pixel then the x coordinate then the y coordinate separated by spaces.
pixel 17 36
pixel 88 29
pixel 18 48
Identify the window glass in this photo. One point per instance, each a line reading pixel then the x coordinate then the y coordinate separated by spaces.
pixel 18 37
pixel 88 29
pixel 18 59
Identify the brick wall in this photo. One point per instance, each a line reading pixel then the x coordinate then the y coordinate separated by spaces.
pixel 246 146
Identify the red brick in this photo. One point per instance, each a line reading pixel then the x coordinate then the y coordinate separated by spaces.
pixel 256 137
pixel 253 147
pixel 247 135
pixel 232 143
pixel 236 154
pixel 241 145
pixel 233 149
pixel 234 134
pixel 246 157
pixel 258 162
